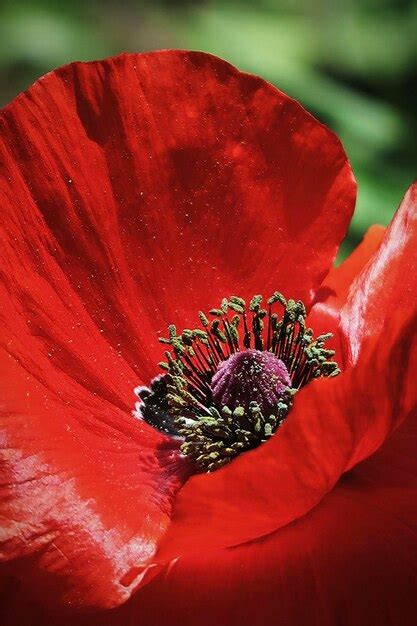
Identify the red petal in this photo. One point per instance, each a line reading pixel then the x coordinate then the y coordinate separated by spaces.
pixel 388 282
pixel 350 561
pixel 85 491
pixel 158 183
pixel 334 424
pixel 324 316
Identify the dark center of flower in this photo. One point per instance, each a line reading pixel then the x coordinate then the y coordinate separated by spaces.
pixel 225 391
pixel 250 376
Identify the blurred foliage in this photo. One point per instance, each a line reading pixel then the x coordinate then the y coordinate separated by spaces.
pixel 350 62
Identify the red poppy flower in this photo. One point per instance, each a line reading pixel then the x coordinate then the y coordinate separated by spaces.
pixel 136 192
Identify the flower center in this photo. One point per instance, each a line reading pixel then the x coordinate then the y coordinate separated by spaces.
pixel 250 376
pixel 229 385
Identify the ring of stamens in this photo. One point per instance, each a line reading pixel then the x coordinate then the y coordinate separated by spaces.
pixel 213 434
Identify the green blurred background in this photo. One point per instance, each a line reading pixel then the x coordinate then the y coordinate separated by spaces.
pixel 350 62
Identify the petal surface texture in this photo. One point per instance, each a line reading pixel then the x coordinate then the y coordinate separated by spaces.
pixel 332 295
pixel 160 183
pixel 85 493
pixel 388 281
pixel 135 191
pixel 349 561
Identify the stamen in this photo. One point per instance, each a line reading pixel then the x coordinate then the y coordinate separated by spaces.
pixel 226 391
